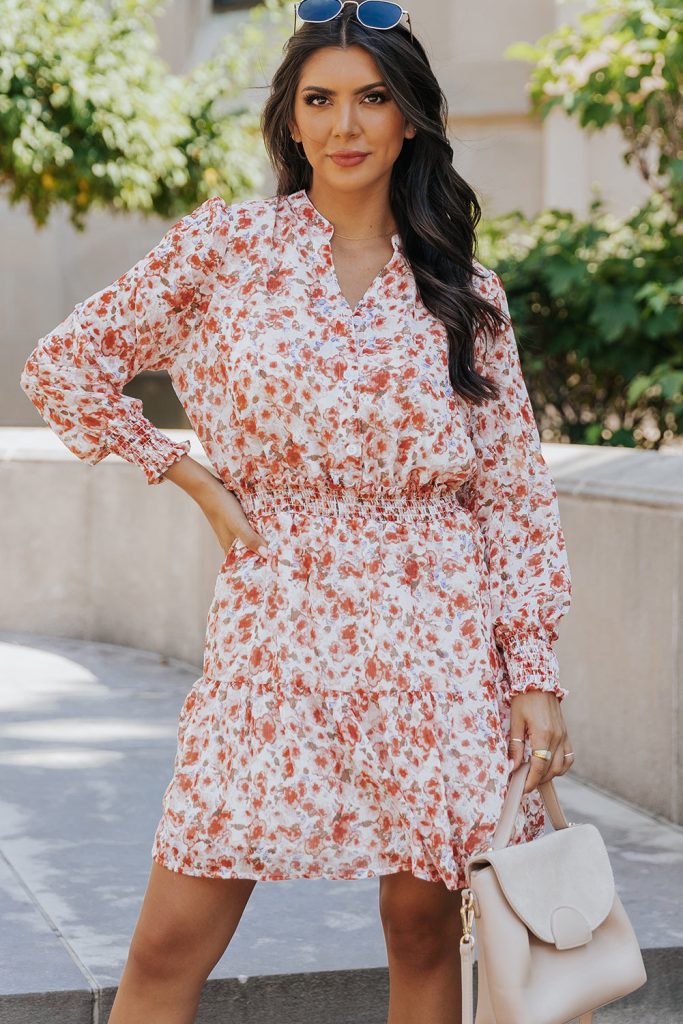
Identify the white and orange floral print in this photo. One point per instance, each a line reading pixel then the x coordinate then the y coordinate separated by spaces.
pixel 352 716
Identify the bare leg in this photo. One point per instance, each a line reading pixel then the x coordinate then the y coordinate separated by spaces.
pixel 421 922
pixel 184 927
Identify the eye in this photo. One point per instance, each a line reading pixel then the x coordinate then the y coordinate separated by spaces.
pixel 310 98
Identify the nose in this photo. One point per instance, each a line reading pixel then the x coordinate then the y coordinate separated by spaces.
pixel 345 122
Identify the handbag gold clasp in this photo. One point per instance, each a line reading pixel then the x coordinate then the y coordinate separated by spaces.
pixel 467 915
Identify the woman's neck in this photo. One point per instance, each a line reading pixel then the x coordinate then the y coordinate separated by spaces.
pixel 355 217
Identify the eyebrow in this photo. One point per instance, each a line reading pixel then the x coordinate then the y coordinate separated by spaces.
pixel 331 92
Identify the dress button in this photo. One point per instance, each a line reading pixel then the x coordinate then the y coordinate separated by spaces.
pixel 353 449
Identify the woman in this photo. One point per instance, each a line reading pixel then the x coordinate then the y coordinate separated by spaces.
pixel 379 646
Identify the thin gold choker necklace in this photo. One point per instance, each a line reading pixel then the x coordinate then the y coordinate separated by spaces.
pixel 358 238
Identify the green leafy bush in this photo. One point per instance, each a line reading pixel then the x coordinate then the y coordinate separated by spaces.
pixel 598 302
pixel 598 310
pixel 619 65
pixel 91 116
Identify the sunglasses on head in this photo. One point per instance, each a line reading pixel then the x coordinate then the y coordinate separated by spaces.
pixel 380 14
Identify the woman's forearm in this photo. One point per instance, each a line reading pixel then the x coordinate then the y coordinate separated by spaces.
pixel 193 478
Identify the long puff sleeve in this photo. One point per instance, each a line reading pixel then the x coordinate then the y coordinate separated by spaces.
pixel 514 500
pixel 76 373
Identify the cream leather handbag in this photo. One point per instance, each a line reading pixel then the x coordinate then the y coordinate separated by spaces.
pixel 554 941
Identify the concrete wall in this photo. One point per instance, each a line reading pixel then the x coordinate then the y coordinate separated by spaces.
pixel 96 553
pixel 512 160
pixel 622 648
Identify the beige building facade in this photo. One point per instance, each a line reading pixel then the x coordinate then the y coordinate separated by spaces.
pixel 512 160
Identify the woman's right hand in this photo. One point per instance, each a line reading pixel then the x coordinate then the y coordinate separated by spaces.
pixel 219 505
pixel 226 516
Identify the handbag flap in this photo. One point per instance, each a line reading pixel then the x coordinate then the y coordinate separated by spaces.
pixel 561 885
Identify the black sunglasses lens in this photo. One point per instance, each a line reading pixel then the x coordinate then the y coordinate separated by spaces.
pixel 376 14
pixel 318 10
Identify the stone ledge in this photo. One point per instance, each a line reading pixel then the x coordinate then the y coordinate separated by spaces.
pixel 653 479
pixel 618 474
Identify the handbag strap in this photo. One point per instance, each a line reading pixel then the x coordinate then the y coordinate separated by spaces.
pixel 467 979
pixel 503 831
pixel 501 838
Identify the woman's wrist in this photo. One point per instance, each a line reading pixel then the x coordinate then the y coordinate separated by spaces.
pixel 193 478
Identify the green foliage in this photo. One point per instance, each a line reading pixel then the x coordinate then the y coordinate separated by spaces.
pixel 597 306
pixel 620 64
pixel 598 303
pixel 91 116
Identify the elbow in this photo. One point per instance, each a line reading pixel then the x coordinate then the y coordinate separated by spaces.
pixel 66 409
pixel 29 380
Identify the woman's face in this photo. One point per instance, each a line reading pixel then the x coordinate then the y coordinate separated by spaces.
pixel 340 105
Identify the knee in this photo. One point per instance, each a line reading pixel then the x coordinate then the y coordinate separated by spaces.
pixel 159 954
pixel 418 935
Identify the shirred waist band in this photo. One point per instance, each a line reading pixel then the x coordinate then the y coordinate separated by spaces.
pixel 343 503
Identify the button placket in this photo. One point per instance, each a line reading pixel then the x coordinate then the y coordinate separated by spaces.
pixel 354 319
pixel 353 444
pixel 350 425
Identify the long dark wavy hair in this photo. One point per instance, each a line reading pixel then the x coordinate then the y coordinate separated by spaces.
pixel 435 209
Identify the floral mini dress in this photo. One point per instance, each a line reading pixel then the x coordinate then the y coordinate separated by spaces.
pixel 353 712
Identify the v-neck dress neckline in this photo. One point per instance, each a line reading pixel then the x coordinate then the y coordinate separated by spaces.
pixel 325 230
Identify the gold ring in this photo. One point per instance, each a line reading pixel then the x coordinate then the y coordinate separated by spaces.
pixel 545 754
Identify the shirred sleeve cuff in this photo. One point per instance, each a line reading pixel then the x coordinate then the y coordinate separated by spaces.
pixel 532 664
pixel 150 449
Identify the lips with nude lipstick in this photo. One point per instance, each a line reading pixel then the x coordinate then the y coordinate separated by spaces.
pixel 348 157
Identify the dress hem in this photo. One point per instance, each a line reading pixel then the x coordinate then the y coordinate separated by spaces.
pixel 333 874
